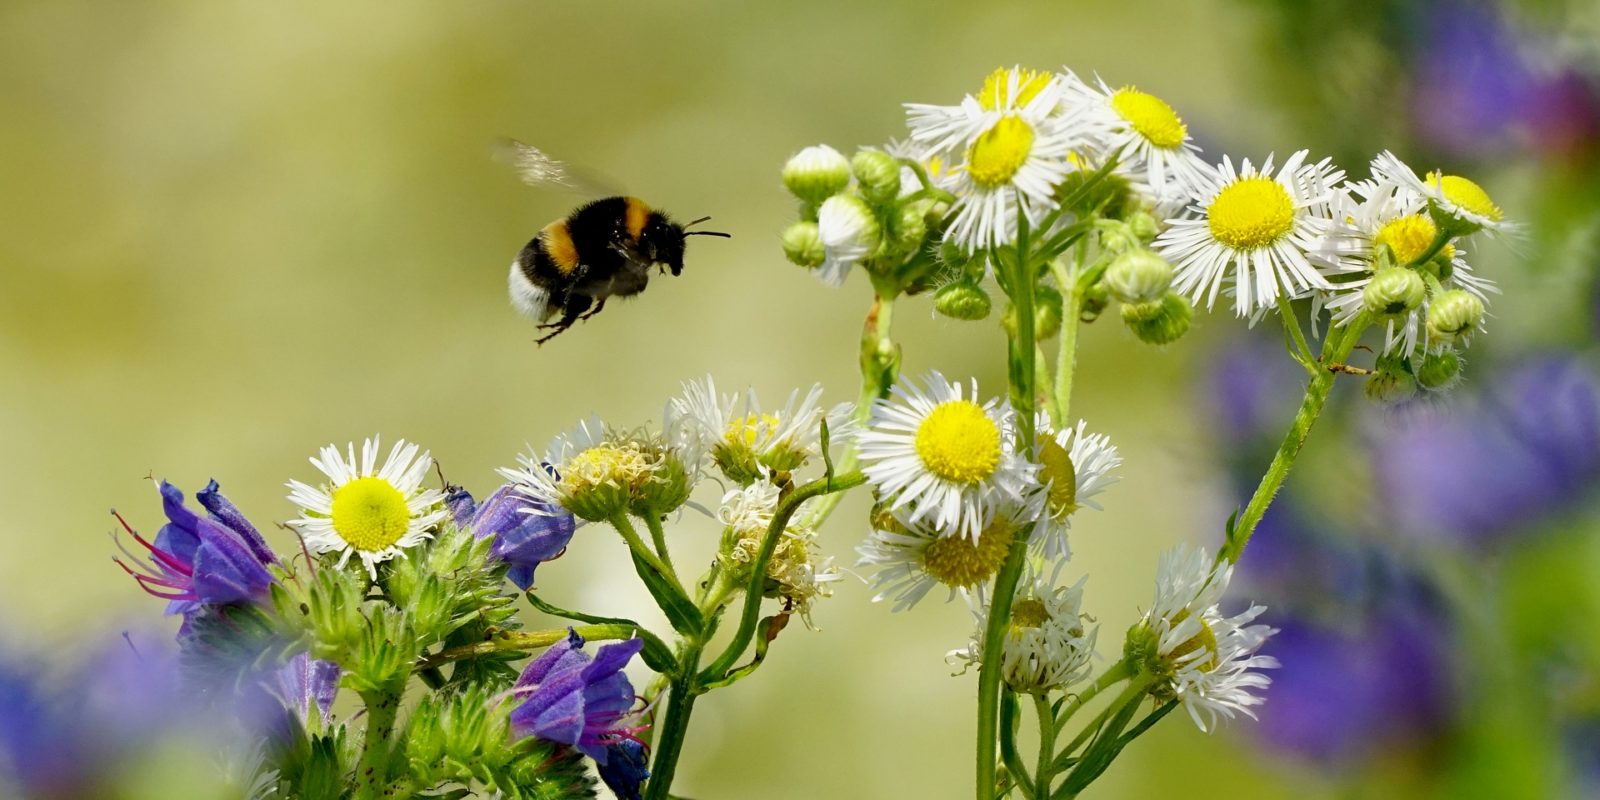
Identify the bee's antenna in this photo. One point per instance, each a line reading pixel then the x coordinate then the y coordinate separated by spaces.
pixel 708 233
pixel 696 222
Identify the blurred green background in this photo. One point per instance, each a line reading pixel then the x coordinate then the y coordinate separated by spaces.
pixel 236 231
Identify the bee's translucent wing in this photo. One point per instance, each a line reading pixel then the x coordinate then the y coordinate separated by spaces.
pixel 538 169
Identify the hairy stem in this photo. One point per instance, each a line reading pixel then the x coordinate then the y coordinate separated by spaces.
pixel 383 708
pixel 521 642
pixel 675 722
pixel 637 545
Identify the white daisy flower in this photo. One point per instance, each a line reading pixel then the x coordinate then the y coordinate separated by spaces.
pixel 909 559
pixel 1258 229
pixel 364 509
pixel 742 439
pixel 1048 643
pixel 948 459
pixel 1008 150
pixel 1372 215
pixel 1205 660
pixel 1156 151
pixel 1074 467
pixel 1450 195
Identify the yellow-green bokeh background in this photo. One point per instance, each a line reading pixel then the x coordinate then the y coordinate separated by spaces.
pixel 236 231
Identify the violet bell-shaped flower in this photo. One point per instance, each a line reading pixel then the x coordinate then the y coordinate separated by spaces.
pixel 527 532
pixel 196 561
pixel 568 699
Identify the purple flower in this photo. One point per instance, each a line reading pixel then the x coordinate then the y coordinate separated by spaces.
pixel 308 683
pixel 1528 449
pixel 526 532
pixel 572 700
pixel 196 561
pixel 228 514
pixel 1253 390
pixel 1472 82
pixel 626 768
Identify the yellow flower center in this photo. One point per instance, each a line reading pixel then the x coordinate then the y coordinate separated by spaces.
pixel 958 563
pixel 622 464
pixel 1467 195
pixel 1000 152
pixel 959 442
pixel 1029 612
pixel 750 429
pixel 1055 469
pixel 370 514
pixel 1150 116
pixel 1251 213
pixel 996 90
pixel 1206 638
pixel 1407 236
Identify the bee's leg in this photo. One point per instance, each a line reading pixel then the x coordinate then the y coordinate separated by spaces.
pixel 570 313
pixel 595 310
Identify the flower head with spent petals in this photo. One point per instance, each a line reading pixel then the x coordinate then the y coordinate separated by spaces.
pixel 943 456
pixel 1049 642
pixel 596 472
pixel 1203 659
pixel 1074 466
pixel 744 440
pixel 365 509
pixel 910 558
pixel 794 572
pixel 1259 230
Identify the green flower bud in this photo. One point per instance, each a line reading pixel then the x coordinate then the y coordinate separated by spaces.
pixel 1453 316
pixel 879 175
pixel 1110 195
pixel 1138 276
pixel 1389 386
pixel 816 174
pixel 802 245
pixel 1047 310
pixel 1439 371
pixel 667 488
pixel 1143 225
pixel 964 299
pixel 1161 322
pixel 910 226
pixel 1095 300
pixel 1394 292
pixel 1141 649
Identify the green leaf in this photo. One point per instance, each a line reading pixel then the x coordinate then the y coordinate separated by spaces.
pixel 680 610
pixel 656 654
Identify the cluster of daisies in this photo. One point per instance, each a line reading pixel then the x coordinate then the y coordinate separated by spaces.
pixel 953 492
pixel 1388 250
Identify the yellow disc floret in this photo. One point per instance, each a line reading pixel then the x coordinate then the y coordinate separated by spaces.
pixel 1150 116
pixel 996 92
pixel 957 562
pixel 370 514
pixel 1408 237
pixel 1029 612
pixel 1251 213
pixel 621 464
pixel 959 442
pixel 1206 639
pixel 1056 470
pixel 1467 195
pixel 1000 152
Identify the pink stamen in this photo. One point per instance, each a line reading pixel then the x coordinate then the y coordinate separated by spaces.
pixel 159 554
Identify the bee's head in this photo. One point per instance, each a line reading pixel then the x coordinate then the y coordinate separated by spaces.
pixel 663 240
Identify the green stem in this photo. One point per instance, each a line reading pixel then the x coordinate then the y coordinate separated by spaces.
pixel 1335 349
pixel 1017 772
pixel 1021 283
pixel 758 567
pixel 1440 239
pixel 637 545
pixel 1043 774
pixel 1107 679
pixel 675 722
pixel 658 535
pixel 521 642
pixel 1105 737
pixel 1067 355
pixel 383 708
pixel 880 365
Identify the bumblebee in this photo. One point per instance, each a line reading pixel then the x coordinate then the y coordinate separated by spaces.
pixel 605 248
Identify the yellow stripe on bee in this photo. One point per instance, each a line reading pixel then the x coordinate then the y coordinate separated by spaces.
pixel 559 247
pixel 637 214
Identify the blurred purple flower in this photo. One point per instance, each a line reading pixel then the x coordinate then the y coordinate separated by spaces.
pixel 526 532
pixel 1471 83
pixel 195 561
pixel 569 699
pixel 1254 389
pixel 1365 686
pixel 1528 449
pixel 308 683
